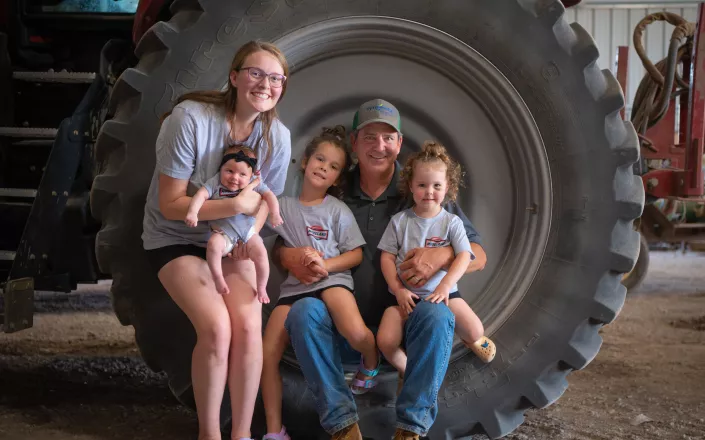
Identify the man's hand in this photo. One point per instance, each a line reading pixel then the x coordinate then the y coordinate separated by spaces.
pixel 293 258
pixel 405 298
pixel 440 294
pixel 247 202
pixel 420 264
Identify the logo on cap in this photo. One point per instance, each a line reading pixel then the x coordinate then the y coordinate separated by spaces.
pixel 382 109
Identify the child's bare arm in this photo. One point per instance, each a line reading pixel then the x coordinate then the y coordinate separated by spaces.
pixel 194 207
pixel 389 270
pixel 275 217
pixel 455 272
pixel 344 261
pixel 405 297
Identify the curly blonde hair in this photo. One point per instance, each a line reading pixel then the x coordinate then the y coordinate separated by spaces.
pixel 432 151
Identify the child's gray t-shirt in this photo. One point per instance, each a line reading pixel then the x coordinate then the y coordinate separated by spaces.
pixel 190 146
pixel 407 231
pixel 238 226
pixel 329 227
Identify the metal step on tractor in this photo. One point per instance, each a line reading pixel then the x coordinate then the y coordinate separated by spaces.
pixel 510 87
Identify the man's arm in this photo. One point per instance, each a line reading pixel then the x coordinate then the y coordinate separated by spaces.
pixel 291 260
pixel 420 264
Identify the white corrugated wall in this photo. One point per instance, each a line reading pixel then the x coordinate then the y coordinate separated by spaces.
pixel 613 26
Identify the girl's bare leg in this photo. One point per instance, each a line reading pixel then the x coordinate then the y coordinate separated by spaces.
pixel 190 284
pixel 258 254
pixel 467 325
pixel 245 366
pixel 346 316
pixel 214 255
pixel 390 336
pixel 276 340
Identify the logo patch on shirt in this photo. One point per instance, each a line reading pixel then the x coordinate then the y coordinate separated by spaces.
pixel 224 192
pixel 436 242
pixel 317 232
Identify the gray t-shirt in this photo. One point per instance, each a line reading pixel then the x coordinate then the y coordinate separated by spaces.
pixel 236 227
pixel 407 231
pixel 329 227
pixel 190 146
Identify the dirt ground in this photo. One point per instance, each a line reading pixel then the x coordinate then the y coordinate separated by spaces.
pixel 77 374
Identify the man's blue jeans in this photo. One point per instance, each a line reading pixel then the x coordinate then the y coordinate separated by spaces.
pixel 321 352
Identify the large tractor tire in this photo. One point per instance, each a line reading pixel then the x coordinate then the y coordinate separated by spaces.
pixel 508 86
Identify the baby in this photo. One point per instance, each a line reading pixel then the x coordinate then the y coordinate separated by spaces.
pixel 235 173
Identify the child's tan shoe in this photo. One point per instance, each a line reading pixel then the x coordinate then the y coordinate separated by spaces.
pixel 484 348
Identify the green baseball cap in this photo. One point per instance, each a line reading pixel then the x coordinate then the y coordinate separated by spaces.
pixel 377 110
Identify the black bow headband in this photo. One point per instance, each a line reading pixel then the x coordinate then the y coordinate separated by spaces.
pixel 240 156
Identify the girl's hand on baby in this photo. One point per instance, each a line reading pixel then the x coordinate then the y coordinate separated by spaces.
pixel 191 220
pixel 439 295
pixel 405 298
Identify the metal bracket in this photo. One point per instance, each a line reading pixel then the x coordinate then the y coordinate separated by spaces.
pixel 19 305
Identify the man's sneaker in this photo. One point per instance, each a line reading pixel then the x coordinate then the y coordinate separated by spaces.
pixel 351 432
pixel 403 434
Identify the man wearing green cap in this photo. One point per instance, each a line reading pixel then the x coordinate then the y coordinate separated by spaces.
pixel 374 198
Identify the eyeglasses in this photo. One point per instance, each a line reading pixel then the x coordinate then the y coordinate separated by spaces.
pixel 275 80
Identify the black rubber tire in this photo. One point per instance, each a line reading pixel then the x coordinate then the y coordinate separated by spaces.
pixel 633 279
pixel 577 289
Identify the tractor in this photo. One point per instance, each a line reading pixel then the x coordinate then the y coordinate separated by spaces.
pixel 668 114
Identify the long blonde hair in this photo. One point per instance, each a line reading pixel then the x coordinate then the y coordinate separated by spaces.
pixel 227 99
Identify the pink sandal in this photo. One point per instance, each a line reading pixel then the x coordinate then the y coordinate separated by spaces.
pixel 358 386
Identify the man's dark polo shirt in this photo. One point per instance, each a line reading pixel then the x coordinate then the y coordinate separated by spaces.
pixel 372 217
